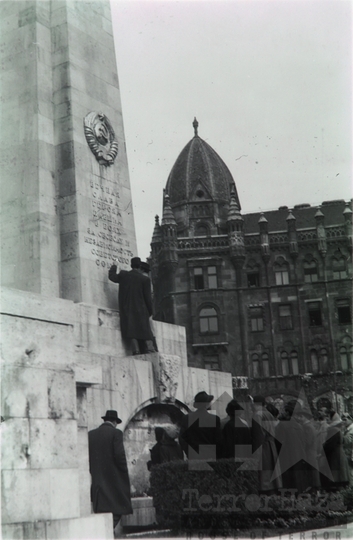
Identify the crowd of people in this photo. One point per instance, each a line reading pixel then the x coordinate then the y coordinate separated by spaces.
pixel 292 448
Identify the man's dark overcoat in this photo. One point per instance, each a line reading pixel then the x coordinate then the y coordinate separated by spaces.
pixel 262 435
pixel 336 457
pixel 135 303
pixel 235 432
pixel 200 428
pixel 292 454
pixel 110 490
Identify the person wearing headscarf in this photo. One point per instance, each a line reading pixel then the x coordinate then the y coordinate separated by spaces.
pixel 166 448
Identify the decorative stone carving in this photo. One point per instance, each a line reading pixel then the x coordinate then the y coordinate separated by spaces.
pixel 167 370
pixel 240 382
pixel 100 137
pixel 237 239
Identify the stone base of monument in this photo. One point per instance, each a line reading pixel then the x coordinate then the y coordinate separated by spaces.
pixel 96 526
pixel 144 513
pixel 64 364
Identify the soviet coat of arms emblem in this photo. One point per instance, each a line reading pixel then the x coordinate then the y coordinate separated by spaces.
pixel 100 137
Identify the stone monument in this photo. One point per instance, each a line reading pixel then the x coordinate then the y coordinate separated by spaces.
pixel 66 200
pixel 66 213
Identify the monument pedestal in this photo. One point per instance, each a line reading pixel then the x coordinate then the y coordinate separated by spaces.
pixel 63 365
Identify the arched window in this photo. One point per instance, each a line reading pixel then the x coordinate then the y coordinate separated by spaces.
pixel 281 271
pixel 255 365
pixel 344 358
pixel 310 272
pixel 324 360
pixel 339 268
pixel 314 361
pixel 208 318
pixel 201 230
pixel 265 365
pixel 253 273
pixel 294 362
pixel 285 363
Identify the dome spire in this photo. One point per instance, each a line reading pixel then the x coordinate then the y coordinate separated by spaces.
pixel 157 237
pixel 234 211
pixel 196 125
pixel 168 216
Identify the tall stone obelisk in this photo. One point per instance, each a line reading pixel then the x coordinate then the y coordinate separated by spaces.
pixel 66 212
pixel 66 199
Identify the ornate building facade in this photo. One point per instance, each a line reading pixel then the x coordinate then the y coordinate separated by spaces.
pixel 265 296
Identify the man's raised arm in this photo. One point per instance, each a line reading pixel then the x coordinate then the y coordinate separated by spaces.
pixel 113 276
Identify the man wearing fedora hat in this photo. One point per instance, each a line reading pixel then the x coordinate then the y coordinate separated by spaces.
pixel 135 306
pixel 110 489
pixel 200 432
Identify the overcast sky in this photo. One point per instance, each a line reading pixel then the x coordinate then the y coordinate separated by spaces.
pixel 269 82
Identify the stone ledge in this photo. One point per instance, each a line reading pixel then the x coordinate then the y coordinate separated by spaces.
pixel 36 306
pixel 94 527
pixel 87 374
pixel 144 513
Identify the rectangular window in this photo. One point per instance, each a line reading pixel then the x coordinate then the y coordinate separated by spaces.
pixel 339 274
pixel 282 277
pixel 253 279
pixel 211 362
pixel 344 312
pixel 198 278
pixel 256 318
pixel 310 275
pixel 339 269
pixel 314 310
pixel 208 321
pixel 285 317
pixel 212 277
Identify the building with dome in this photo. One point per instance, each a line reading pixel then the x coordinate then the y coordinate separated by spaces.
pixel 265 296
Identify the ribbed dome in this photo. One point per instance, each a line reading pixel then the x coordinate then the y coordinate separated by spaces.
pixel 199 173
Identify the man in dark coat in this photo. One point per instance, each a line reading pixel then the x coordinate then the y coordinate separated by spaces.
pixel 135 306
pixel 200 432
pixel 110 489
pixel 290 434
pixel 263 443
pixel 166 449
pixel 236 432
pixel 145 270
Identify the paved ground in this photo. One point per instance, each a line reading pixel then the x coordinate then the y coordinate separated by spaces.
pixel 339 532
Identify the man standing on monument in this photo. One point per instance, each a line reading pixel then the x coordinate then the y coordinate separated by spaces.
pixel 110 489
pixel 135 306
